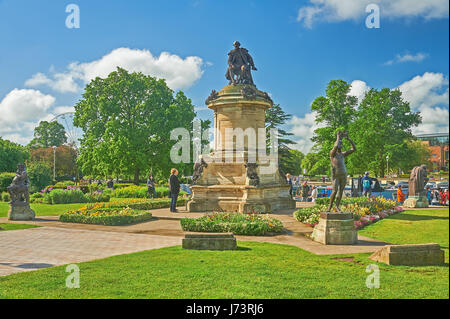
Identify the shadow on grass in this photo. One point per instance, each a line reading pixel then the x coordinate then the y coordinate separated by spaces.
pixel 412 217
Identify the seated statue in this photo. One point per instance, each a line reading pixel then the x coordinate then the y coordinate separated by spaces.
pixel 18 190
pixel 240 64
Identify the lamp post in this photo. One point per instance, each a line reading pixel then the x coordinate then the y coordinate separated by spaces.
pixel 387 166
pixel 54 163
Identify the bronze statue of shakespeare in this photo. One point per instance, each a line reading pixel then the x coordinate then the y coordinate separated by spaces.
pixel 338 169
pixel 240 64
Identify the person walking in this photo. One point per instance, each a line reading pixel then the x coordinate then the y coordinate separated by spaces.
pixel 151 187
pixel 174 189
pixel 400 195
pixel 305 191
pixel 366 182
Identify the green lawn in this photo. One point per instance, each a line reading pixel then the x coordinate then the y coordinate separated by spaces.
pixel 413 227
pixel 256 270
pixel 43 209
pixel 6 226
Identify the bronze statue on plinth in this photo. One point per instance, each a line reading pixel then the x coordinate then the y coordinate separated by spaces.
pixel 240 64
pixel 338 169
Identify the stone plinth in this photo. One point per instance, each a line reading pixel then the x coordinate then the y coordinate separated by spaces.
pixel 416 202
pixel 237 178
pixel 210 241
pixel 335 229
pixel 410 255
pixel 21 212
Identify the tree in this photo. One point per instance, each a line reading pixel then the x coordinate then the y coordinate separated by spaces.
pixel 382 128
pixel 275 119
pixel 127 119
pixel 65 159
pixel 334 111
pixel 314 166
pixel 293 163
pixel 48 134
pixel 40 175
pixel 11 154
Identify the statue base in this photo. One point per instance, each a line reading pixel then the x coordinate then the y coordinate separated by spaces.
pixel 335 229
pixel 416 202
pixel 21 212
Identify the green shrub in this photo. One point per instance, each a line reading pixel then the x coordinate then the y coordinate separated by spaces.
pixel 134 191
pixel 40 175
pixel 5 180
pixel 59 196
pixel 97 197
pixel 36 198
pixel 237 223
pixel 5 197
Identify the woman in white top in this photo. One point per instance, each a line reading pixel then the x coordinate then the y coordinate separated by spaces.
pixel 314 194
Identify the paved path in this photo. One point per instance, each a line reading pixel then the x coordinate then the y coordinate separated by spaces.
pixel 35 248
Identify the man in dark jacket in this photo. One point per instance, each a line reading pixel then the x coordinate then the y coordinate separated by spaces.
pixel 174 189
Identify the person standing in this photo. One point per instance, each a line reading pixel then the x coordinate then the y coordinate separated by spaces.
pixel 289 180
pixel 314 194
pixel 151 187
pixel 174 189
pixel 400 195
pixel 366 182
pixel 429 195
pixel 305 191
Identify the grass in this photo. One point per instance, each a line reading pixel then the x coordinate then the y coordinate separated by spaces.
pixel 413 227
pixel 256 270
pixel 6 226
pixel 43 209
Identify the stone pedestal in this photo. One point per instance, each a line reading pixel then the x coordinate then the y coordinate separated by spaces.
pixel 238 178
pixel 335 229
pixel 410 255
pixel 209 241
pixel 416 202
pixel 21 212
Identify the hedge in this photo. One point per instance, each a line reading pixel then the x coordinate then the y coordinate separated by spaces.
pixel 5 180
pixel 108 217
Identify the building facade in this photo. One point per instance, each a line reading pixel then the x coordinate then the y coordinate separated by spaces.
pixel 439 146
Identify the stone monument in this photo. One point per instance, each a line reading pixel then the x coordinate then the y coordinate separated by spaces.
pixel 19 208
pixel 237 176
pixel 417 196
pixel 337 228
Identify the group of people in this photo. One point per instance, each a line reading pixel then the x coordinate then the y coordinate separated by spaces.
pixel 174 189
pixel 304 191
pixel 437 196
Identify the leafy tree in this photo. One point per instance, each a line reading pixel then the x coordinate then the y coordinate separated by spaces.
pixel 334 111
pixel 48 134
pixel 65 159
pixel 127 119
pixel 293 163
pixel 276 118
pixel 382 127
pixel 11 154
pixel 40 175
pixel 314 166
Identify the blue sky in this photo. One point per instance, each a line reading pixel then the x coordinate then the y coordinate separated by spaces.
pixel 297 46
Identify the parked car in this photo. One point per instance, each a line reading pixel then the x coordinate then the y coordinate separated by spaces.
pixel 442 185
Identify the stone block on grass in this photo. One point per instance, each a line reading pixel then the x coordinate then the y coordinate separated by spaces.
pixel 209 241
pixel 410 255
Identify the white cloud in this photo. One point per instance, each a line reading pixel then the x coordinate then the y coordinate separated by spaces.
pixel 178 72
pixel 359 89
pixel 419 57
pixel 21 111
pixel 341 10
pixel 303 130
pixel 427 93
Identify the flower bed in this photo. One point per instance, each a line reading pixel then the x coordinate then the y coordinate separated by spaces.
pixel 237 223
pixel 105 216
pixel 116 213
pixel 365 210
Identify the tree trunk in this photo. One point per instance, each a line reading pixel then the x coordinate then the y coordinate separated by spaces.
pixel 136 176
